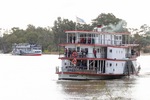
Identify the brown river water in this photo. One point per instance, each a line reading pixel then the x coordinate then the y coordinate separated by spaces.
pixel 34 78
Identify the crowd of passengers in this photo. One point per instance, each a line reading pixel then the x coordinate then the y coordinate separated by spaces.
pixel 84 40
pixel 81 64
pixel 74 53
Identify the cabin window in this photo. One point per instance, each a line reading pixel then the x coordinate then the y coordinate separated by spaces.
pixel 116 64
pixel 86 51
pixel 110 64
pixel 98 50
pixel 65 64
pixel 93 35
pixel 116 37
pixel 120 37
pixel 37 51
pixel 78 49
pixel 110 50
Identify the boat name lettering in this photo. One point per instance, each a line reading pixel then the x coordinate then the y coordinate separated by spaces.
pixel 73 75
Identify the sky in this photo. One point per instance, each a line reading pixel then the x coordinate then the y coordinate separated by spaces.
pixel 43 13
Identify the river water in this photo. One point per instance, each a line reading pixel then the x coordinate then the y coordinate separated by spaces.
pixel 34 78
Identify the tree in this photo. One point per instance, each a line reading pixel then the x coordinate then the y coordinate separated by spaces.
pixel 45 38
pixel 59 28
pixel 105 19
pixel 145 28
pixel 84 27
pixel 111 23
pixel 61 25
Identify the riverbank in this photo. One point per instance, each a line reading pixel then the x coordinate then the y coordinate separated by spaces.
pixel 57 53
pixel 54 53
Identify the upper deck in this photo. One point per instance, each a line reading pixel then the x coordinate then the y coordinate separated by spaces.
pixel 26 46
pixel 95 38
pixel 108 45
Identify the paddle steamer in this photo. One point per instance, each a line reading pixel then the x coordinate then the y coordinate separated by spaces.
pixel 26 49
pixel 97 54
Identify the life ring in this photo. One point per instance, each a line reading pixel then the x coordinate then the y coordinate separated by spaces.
pixel 74 54
pixel 74 61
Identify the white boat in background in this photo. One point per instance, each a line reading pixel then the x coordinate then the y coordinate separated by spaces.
pixel 26 49
pixel 97 54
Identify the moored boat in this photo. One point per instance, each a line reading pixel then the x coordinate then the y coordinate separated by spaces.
pixel 26 49
pixel 98 54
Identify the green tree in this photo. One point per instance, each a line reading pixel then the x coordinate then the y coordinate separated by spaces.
pixel 45 38
pixel 61 25
pixel 145 28
pixel 105 19
pixel 111 23
pixel 59 28
pixel 83 27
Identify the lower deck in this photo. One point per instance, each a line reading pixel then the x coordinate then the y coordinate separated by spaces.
pixel 98 66
pixel 96 69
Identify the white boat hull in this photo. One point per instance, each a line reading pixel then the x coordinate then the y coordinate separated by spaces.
pixel 87 77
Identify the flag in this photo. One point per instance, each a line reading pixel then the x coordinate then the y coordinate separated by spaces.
pixel 79 20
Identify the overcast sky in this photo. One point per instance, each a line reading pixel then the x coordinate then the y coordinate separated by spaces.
pixel 20 13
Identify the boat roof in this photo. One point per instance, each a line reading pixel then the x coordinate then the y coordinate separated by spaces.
pixel 95 32
pixel 86 58
pixel 102 45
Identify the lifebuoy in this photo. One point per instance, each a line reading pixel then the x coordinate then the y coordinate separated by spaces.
pixel 74 54
pixel 74 61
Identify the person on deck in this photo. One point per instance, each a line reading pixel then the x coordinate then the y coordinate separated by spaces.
pixel 70 38
pixel 74 39
pixel 69 53
pixel 94 52
pixel 66 52
pixel 82 53
pixel 89 40
pixel 86 52
pixel 82 40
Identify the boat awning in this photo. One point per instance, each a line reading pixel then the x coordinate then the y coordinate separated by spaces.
pixel 93 32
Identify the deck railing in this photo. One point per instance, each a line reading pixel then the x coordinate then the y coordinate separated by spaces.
pixel 82 55
pixel 77 69
pixel 96 41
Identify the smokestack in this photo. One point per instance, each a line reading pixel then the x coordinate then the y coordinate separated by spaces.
pixel 99 28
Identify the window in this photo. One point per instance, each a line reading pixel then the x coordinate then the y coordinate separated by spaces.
pixel 110 50
pixel 110 64
pixel 120 37
pixel 37 51
pixel 98 50
pixel 78 49
pixel 86 51
pixel 116 37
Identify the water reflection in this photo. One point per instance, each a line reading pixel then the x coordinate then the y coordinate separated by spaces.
pixel 34 78
pixel 98 89
pixel 130 88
